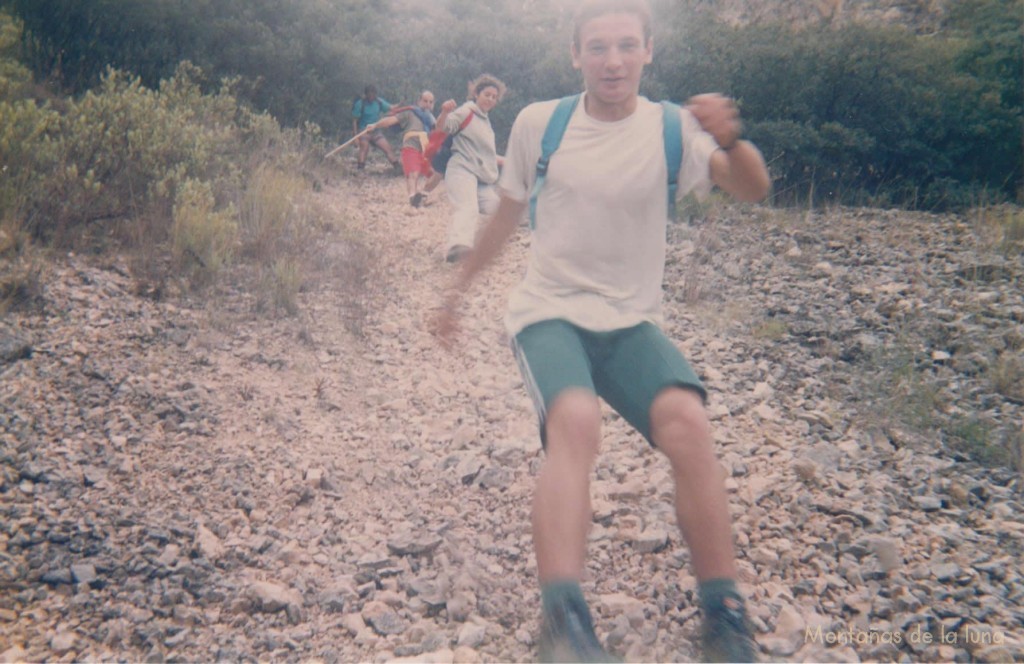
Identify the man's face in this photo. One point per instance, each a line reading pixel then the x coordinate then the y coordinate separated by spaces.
pixel 611 55
pixel 427 102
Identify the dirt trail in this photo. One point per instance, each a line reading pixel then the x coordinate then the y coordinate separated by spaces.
pixel 192 483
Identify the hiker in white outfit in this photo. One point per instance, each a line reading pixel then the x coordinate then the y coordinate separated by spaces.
pixel 473 169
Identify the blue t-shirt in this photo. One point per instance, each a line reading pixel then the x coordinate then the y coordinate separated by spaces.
pixel 369 112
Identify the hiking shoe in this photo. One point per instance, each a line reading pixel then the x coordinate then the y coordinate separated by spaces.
pixel 397 165
pixel 726 635
pixel 360 165
pixel 457 253
pixel 567 635
pixel 416 200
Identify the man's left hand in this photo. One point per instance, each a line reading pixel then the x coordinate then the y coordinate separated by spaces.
pixel 717 115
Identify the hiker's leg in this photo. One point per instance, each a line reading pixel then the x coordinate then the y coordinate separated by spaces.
pixel 411 159
pixel 382 144
pixel 364 150
pixel 556 371
pixel 433 179
pixel 680 428
pixel 462 192
pixel 648 381
pixel 561 504
pixel 487 199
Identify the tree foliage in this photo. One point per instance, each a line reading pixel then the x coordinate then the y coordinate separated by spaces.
pixel 844 113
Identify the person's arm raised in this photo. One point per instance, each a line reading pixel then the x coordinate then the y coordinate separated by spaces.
pixel 491 241
pixel 384 123
pixel 446 110
pixel 737 167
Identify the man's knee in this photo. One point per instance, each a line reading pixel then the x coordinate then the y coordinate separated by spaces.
pixel 679 423
pixel 573 424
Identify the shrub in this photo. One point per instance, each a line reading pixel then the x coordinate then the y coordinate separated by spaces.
pixel 117 153
pixel 27 158
pixel 279 287
pixel 862 114
pixel 203 238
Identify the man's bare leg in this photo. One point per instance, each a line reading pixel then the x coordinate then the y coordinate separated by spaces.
pixel 382 144
pixel 364 151
pixel 561 522
pixel 680 429
pixel 561 504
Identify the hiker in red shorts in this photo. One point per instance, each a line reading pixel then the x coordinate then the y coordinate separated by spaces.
pixel 416 122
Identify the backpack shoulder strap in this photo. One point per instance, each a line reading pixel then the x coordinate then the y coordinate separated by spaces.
pixel 672 128
pixel 549 143
pixel 450 140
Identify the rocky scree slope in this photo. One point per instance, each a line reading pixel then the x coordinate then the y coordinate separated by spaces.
pixel 183 481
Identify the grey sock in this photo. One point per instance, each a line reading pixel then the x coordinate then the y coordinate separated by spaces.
pixel 713 591
pixel 557 594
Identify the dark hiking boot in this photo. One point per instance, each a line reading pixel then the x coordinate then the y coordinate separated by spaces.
pixel 397 165
pixel 360 165
pixel 457 253
pixel 567 635
pixel 726 635
pixel 416 200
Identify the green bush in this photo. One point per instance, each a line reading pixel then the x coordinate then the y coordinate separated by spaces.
pixel 117 153
pixel 203 238
pixel 27 158
pixel 845 113
pixel 868 115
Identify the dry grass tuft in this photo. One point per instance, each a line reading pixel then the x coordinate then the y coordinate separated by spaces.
pixel 202 239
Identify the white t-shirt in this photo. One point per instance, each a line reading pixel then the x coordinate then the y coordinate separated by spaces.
pixel 597 256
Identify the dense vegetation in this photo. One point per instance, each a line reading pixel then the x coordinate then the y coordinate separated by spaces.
pixel 100 120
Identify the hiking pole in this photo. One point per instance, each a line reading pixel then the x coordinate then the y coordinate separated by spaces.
pixel 346 143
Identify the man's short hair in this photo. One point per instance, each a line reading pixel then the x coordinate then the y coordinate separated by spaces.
pixel 591 9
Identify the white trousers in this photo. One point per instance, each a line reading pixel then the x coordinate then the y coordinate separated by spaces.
pixel 470 198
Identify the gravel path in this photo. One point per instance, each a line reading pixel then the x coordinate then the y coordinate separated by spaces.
pixel 187 482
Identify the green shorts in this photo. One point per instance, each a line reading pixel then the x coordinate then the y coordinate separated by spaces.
pixel 627 368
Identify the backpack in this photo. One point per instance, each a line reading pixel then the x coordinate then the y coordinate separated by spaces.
pixel 672 134
pixel 359 106
pixel 439 146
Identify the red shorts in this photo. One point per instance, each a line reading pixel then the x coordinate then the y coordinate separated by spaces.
pixel 413 161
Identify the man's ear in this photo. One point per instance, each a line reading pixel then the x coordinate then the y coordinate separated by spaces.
pixel 575 53
pixel 650 51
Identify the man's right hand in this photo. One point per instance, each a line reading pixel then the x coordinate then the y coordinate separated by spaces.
pixel 445 324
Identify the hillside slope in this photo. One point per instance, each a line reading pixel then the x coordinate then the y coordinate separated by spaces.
pixel 186 481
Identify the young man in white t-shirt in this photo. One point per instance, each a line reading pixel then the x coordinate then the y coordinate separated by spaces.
pixel 585 318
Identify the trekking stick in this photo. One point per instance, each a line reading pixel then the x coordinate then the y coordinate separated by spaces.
pixel 346 143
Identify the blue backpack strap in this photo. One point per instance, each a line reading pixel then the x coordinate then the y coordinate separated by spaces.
pixel 673 135
pixel 549 143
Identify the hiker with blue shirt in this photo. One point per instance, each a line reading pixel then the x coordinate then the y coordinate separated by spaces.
pixel 594 172
pixel 368 110
pixel 472 171
pixel 416 122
